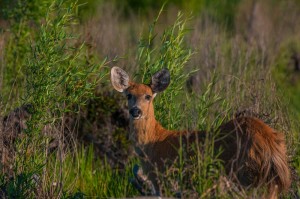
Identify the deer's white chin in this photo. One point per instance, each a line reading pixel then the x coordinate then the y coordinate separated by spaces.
pixel 137 118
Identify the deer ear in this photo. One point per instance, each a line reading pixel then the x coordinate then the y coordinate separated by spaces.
pixel 160 80
pixel 119 79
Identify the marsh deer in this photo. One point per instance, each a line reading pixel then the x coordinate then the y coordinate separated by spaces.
pixel 252 152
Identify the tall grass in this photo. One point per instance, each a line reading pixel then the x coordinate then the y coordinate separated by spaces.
pixel 169 52
pixel 60 76
pixel 94 177
pixel 199 176
pixel 23 17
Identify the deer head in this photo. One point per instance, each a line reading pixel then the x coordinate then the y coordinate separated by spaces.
pixel 140 97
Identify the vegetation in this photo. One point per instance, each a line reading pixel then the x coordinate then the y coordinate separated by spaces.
pixel 65 132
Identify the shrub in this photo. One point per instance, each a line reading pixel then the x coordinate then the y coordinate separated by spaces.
pixel 60 75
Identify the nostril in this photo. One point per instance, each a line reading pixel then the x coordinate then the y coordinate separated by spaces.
pixel 136 112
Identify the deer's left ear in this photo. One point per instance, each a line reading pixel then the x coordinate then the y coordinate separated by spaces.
pixel 160 80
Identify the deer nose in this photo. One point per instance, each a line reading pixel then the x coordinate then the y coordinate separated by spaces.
pixel 135 112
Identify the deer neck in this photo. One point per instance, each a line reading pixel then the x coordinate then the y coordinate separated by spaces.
pixel 146 130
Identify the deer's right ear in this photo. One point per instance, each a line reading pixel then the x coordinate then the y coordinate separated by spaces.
pixel 119 79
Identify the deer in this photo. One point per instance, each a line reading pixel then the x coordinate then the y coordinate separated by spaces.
pixel 252 152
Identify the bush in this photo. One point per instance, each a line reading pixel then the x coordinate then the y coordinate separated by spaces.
pixel 60 75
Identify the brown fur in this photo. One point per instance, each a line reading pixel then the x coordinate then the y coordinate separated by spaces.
pixel 253 153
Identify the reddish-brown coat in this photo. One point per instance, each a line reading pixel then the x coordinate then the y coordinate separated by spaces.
pixel 252 151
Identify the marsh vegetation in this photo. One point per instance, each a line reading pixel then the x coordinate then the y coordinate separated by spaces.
pixel 64 131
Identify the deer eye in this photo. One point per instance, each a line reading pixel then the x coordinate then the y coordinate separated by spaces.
pixel 129 96
pixel 148 97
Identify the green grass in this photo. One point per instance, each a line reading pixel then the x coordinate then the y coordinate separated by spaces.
pixel 86 174
pixel 288 85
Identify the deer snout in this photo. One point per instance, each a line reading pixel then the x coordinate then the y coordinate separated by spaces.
pixel 135 112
